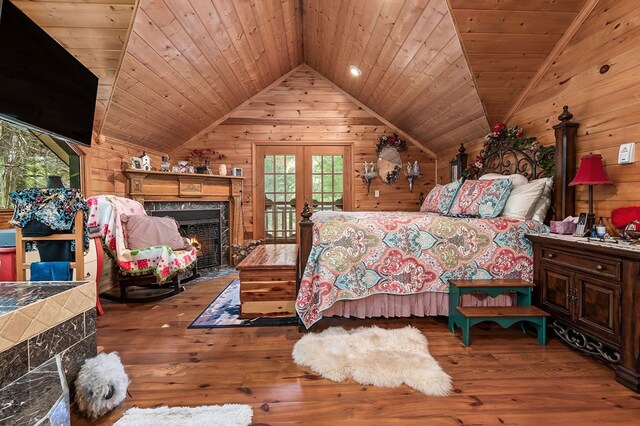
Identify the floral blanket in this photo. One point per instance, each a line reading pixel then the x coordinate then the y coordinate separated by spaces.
pixel 162 261
pixel 355 255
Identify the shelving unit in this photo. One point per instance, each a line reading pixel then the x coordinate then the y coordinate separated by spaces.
pixel 77 236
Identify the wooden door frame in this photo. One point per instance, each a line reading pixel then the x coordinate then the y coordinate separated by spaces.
pixel 349 181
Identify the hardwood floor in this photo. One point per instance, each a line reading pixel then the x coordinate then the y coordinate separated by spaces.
pixel 504 377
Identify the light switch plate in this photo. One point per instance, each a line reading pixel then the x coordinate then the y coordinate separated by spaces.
pixel 627 153
pixel 376 193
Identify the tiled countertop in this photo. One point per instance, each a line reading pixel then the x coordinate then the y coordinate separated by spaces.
pixel 28 308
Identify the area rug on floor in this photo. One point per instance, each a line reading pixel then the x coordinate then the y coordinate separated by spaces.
pixel 206 415
pixel 374 356
pixel 224 311
pixel 211 273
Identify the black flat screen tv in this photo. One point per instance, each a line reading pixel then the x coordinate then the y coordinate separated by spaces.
pixel 42 86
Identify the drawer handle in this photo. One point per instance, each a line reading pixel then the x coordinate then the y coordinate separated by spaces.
pixel 599 267
pixel 551 255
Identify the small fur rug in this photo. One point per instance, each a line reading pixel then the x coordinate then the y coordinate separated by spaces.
pixel 206 415
pixel 373 356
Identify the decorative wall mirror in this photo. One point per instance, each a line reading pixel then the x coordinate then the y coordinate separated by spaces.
pixel 389 164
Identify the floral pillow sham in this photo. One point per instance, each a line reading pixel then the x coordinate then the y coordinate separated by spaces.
pixel 440 198
pixel 481 198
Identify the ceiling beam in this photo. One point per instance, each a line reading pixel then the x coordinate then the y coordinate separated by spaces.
pixel 122 54
pixel 466 59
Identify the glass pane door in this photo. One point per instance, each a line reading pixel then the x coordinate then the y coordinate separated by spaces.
pixel 286 175
pixel 327 182
pixel 280 198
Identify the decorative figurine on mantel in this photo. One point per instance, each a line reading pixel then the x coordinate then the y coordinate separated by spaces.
pixel 165 166
pixel 145 161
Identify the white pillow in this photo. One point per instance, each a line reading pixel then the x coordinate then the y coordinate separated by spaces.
pixel 522 200
pixel 516 180
pixel 541 208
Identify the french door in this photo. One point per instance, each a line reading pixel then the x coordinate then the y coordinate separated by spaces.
pixel 285 175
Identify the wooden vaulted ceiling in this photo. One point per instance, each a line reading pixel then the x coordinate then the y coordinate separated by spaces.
pixel 507 41
pixel 441 70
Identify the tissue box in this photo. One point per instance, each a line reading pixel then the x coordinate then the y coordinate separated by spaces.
pixel 559 227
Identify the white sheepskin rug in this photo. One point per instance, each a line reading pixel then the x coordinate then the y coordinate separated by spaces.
pixel 373 356
pixel 206 415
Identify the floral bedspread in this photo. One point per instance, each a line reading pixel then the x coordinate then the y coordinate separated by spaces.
pixel 162 261
pixel 355 255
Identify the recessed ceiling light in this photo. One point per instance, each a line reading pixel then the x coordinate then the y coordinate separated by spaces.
pixel 355 71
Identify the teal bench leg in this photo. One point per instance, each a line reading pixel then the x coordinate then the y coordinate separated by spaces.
pixel 523 297
pixel 466 327
pixel 454 302
pixel 542 331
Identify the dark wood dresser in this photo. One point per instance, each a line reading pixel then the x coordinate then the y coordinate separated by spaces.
pixel 592 291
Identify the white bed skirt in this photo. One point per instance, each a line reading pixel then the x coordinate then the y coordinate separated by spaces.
pixel 419 305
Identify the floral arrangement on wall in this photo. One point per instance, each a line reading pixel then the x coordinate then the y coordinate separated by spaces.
pixel 503 137
pixel 393 141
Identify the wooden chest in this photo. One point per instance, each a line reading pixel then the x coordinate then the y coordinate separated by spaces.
pixel 268 281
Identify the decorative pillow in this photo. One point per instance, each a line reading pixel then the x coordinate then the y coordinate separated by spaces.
pixel 522 199
pixel 430 203
pixel 541 208
pixel 440 198
pixel 483 198
pixel 516 179
pixel 142 231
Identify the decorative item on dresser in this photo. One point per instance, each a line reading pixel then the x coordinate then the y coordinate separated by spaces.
pixel 591 290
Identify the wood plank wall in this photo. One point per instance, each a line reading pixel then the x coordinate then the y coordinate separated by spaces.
pixel 606 104
pixel 103 166
pixel 306 108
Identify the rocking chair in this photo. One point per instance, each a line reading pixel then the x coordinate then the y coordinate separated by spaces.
pixel 152 268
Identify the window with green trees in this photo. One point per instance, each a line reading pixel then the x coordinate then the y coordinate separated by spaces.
pixel 28 158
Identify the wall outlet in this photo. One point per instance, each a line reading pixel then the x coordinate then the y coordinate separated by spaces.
pixel 376 193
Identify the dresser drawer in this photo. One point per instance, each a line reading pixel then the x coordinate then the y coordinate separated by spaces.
pixel 605 268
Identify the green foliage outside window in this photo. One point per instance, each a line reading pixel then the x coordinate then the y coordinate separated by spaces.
pixel 26 161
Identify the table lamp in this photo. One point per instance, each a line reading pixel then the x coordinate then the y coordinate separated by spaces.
pixel 591 172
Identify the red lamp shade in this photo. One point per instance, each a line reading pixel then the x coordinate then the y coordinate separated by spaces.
pixel 591 172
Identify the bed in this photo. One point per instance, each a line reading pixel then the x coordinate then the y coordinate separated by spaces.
pixel 398 264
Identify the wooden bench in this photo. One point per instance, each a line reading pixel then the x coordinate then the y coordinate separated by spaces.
pixel 268 281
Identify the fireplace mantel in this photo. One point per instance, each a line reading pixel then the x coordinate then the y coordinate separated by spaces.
pixel 164 186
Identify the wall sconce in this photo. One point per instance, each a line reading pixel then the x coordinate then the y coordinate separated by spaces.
pixel 412 173
pixel 369 173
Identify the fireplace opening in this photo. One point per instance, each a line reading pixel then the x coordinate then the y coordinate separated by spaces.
pixel 202 228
